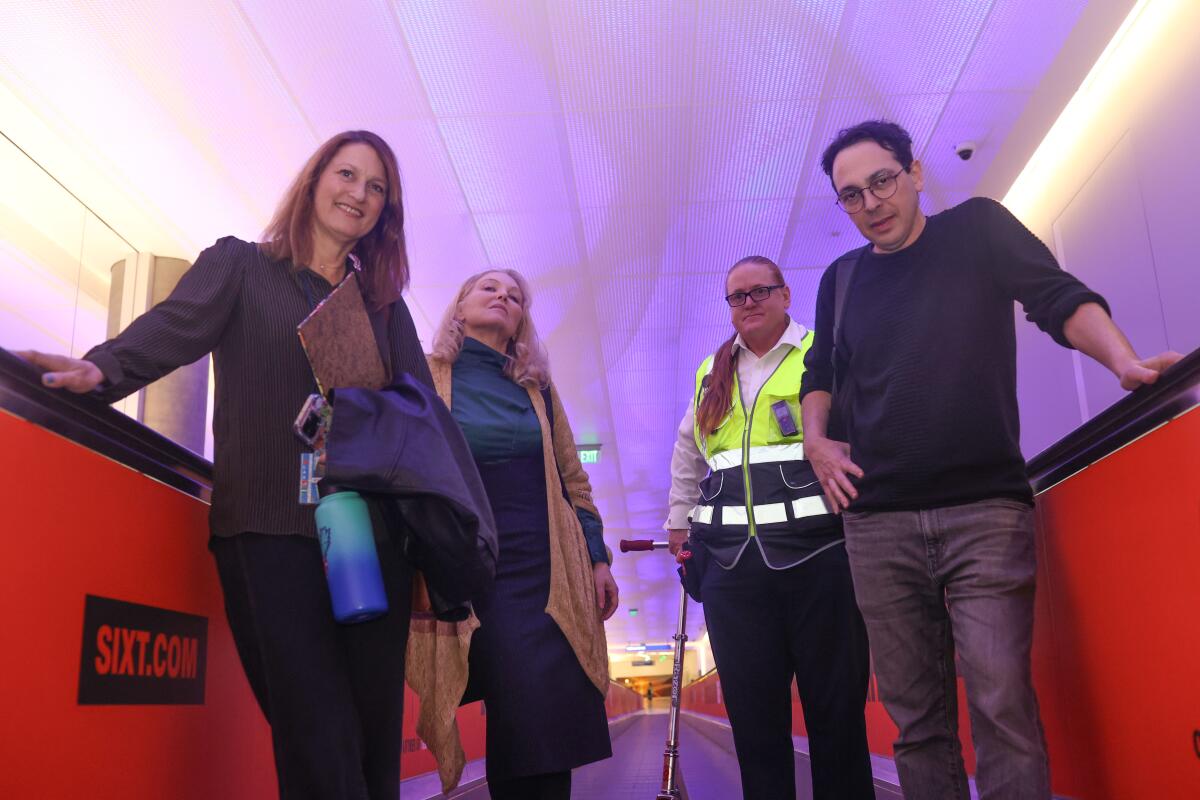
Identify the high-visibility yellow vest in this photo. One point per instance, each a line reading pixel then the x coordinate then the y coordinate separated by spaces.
pixel 743 439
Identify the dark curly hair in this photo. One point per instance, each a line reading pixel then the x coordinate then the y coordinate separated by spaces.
pixel 887 135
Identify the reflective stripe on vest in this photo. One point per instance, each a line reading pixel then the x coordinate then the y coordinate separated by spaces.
pixel 767 514
pixel 763 454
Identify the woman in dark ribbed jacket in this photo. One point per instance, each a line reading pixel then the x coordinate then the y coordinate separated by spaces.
pixel 333 694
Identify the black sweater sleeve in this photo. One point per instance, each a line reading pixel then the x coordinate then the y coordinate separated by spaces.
pixel 1025 270
pixel 818 362
pixel 180 329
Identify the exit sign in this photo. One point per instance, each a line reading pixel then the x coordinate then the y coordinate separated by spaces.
pixel 588 453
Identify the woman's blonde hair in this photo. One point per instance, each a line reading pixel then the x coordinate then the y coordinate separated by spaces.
pixel 528 363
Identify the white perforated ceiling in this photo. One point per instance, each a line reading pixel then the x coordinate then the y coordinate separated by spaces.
pixel 621 154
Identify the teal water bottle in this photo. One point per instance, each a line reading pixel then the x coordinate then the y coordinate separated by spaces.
pixel 351 562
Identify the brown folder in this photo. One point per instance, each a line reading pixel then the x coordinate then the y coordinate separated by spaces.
pixel 340 344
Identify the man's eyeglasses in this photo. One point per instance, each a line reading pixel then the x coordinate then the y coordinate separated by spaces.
pixel 759 293
pixel 882 186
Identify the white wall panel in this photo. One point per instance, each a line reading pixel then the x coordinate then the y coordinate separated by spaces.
pixel 1164 176
pixel 1103 240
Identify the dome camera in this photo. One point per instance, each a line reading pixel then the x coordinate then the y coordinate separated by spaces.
pixel 965 150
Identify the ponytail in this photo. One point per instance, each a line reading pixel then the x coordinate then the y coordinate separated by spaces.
pixel 717 389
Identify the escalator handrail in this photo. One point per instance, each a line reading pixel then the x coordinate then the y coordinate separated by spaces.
pixel 92 423
pixel 1176 392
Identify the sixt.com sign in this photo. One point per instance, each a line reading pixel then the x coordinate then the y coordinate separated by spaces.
pixel 135 654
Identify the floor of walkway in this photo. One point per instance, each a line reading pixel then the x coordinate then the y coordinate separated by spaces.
pixel 707 765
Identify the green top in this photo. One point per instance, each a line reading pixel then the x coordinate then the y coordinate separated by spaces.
pixel 495 414
pixel 497 417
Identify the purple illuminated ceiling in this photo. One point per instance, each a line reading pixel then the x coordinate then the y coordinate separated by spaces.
pixel 622 155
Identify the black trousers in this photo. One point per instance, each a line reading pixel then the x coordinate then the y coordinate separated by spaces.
pixel 768 627
pixel 551 786
pixel 333 694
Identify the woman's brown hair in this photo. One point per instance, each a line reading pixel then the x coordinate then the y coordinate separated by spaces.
pixel 382 252
pixel 717 397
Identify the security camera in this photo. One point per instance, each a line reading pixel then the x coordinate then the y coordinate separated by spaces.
pixel 965 150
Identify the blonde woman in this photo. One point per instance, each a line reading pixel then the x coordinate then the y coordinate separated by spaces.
pixel 539 658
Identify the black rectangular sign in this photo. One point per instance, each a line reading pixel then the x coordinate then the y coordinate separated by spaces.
pixel 141 655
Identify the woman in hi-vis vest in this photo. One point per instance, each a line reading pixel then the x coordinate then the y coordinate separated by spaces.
pixel 778 600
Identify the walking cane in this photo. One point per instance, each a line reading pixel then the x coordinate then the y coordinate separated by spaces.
pixel 670 773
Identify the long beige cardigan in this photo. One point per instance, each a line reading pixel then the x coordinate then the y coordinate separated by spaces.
pixel 437 651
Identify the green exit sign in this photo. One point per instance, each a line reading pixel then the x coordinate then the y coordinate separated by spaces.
pixel 588 453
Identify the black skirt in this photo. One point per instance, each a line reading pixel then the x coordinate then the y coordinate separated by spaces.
pixel 543 712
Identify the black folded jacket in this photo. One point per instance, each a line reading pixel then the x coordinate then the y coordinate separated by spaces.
pixel 401 445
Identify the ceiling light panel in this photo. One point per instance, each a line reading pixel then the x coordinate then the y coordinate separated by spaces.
pixel 634 240
pixel 645 400
pixel 481 56
pixel 906 47
pixel 804 284
pixel 708 312
pixel 764 50
pixel 697 343
pixel 718 234
pixel 562 310
pixel 107 106
pixel 750 151
pixel 508 163
pixel 624 55
pixel 443 249
pixel 349 70
pixel 916 113
pixel 1018 43
pixel 429 180
pixel 638 350
pixel 629 157
pixel 820 232
pixel 982 117
pixel 535 244
pixel 638 303
pixel 206 65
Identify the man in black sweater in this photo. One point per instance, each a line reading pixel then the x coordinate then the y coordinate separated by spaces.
pixel 917 440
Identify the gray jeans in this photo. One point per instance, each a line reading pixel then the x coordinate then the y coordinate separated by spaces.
pixel 943 579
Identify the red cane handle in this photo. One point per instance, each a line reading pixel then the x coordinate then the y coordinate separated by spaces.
pixel 633 545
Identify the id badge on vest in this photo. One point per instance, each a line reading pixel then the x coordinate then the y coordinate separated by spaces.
pixel 783 416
